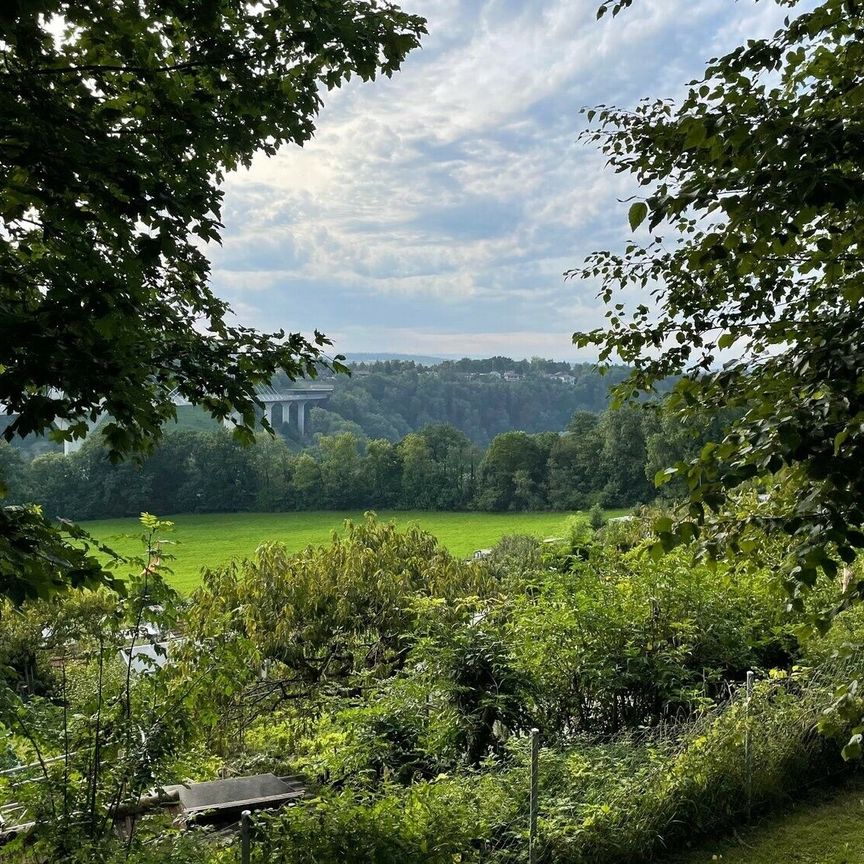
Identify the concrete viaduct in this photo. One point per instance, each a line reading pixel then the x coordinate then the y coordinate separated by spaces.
pixel 278 404
pixel 277 409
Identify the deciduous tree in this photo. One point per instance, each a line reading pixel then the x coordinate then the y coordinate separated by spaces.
pixel 120 120
pixel 752 281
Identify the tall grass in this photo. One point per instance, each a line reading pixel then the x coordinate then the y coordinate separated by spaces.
pixel 636 796
pixel 210 540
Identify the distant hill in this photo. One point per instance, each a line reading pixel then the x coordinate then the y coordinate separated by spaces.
pixel 32 445
pixel 390 398
pixel 421 360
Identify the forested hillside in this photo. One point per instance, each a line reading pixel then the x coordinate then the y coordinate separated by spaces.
pixel 389 399
pixel 481 398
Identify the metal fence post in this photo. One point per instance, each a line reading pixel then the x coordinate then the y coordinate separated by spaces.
pixel 748 748
pixel 535 763
pixel 245 819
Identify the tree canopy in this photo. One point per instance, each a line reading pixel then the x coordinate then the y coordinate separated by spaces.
pixel 605 460
pixel 751 280
pixel 120 120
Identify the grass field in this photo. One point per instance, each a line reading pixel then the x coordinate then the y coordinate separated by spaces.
pixel 825 828
pixel 212 539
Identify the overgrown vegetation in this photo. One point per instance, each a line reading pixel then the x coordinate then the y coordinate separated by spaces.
pixel 402 683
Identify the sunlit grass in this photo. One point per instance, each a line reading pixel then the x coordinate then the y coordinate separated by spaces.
pixel 213 539
pixel 823 829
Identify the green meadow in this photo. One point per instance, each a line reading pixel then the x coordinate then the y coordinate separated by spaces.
pixel 208 540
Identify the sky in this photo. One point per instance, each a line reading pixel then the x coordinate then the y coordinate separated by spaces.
pixel 435 212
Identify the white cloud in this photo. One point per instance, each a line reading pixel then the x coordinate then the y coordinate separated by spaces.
pixel 455 194
pixel 512 343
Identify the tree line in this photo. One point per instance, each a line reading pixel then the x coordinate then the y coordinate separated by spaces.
pixel 482 398
pixel 608 459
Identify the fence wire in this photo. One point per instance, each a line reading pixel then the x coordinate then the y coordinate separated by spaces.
pixel 648 787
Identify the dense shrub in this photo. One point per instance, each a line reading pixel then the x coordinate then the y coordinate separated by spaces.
pixel 408 732
pixel 95 734
pixel 638 797
pixel 515 557
pixel 350 601
pixel 620 641
pixel 467 818
pixel 600 803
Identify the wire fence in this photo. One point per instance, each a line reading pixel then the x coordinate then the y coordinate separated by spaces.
pixel 562 799
pixel 675 779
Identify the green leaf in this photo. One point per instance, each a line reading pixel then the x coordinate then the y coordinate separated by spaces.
pixel 663 525
pixel 853 749
pixel 839 438
pixel 696 133
pixel 637 215
pixel 661 478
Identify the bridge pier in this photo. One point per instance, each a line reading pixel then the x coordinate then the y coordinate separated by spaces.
pixel 286 406
pixel 229 421
pixel 301 418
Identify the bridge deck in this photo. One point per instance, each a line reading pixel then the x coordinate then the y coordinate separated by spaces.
pixel 269 396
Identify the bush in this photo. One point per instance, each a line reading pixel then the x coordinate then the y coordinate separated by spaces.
pixel 439 822
pixel 625 801
pixel 596 517
pixel 621 641
pixel 580 537
pixel 516 557
pixel 600 803
pixel 625 532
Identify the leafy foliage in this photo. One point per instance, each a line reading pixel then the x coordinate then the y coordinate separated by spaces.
pixel 38 559
pixel 754 180
pixel 328 621
pixel 432 823
pixel 120 133
pixel 120 123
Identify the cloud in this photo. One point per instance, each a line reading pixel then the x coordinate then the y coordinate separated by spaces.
pixel 442 206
